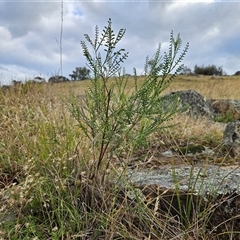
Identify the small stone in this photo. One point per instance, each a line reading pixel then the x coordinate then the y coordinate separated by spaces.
pixel 168 153
pixel 231 138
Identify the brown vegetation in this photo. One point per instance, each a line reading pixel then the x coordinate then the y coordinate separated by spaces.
pixel 44 162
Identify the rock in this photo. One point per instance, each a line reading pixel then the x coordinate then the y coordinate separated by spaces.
pixel 191 102
pixel 57 79
pixel 202 180
pixel 231 138
pixel 168 153
pixel 5 87
pixel 190 149
pixel 224 110
pixel 16 83
pixel 39 80
pixel 219 110
pixel 187 191
pixel 8 216
pixel 193 150
pixel 36 80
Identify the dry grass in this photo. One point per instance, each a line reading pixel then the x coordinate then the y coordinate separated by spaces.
pixel 44 164
pixel 216 88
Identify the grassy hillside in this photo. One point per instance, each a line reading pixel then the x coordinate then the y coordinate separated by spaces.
pixel 219 87
pixel 46 192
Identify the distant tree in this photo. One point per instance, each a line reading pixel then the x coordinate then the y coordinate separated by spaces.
pixel 80 73
pixel 237 73
pixel 186 70
pixel 150 64
pixel 208 70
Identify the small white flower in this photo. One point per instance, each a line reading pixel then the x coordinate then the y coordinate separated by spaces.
pixel 55 229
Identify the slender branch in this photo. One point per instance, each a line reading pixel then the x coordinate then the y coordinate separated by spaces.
pixel 61 33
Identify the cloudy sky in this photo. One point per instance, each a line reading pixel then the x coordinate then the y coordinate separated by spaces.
pixel 30 32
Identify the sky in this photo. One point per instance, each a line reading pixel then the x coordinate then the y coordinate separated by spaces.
pixel 30 33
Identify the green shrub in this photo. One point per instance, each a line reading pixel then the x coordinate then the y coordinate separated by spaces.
pixel 112 118
pixel 209 70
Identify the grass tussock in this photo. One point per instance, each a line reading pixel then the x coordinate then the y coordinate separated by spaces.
pixel 47 186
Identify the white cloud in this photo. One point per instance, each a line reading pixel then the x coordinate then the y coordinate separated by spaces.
pixel 30 33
